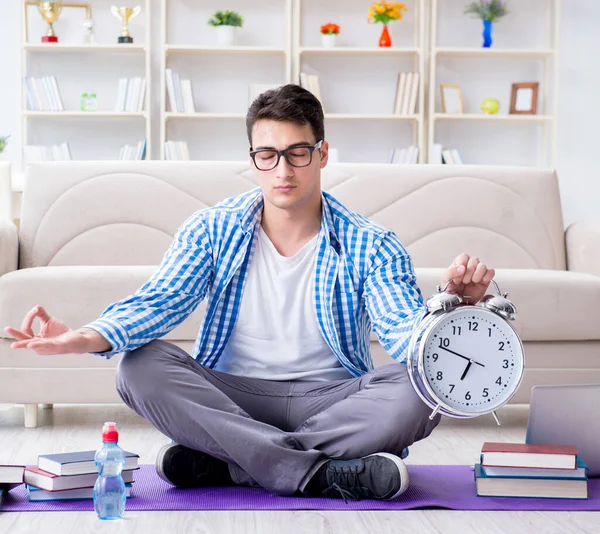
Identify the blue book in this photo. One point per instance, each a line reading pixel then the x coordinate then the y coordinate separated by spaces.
pixel 37 494
pixel 544 487
pixel 78 463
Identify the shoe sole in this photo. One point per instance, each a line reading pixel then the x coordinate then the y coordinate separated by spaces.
pixel 401 468
pixel 159 462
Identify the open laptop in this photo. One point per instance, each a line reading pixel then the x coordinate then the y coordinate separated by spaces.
pixel 567 415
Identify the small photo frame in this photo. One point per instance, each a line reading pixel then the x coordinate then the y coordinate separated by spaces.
pixel 451 99
pixel 524 98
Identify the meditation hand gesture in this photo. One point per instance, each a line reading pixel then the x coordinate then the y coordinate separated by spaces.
pixel 55 337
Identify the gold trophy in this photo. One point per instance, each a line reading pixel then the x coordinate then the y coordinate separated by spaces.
pixel 125 14
pixel 50 12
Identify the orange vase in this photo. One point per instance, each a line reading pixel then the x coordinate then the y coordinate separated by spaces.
pixel 385 39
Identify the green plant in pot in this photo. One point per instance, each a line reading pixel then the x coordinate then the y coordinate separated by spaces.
pixel 226 23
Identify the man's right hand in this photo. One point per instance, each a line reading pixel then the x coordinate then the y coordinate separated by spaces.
pixel 55 337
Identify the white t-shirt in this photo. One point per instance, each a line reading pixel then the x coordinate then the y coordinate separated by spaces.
pixel 276 335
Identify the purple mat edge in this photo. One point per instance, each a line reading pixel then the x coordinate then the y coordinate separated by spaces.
pixel 432 486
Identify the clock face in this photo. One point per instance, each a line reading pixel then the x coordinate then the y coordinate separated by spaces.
pixel 473 360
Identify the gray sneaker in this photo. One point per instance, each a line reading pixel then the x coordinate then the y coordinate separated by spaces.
pixel 378 476
pixel 188 468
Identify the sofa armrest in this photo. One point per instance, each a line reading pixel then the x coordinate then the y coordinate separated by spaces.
pixel 9 247
pixel 583 247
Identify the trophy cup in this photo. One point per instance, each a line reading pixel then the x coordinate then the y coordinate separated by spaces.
pixel 50 12
pixel 125 14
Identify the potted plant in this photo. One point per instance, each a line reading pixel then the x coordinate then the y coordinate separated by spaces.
pixel 488 11
pixel 384 13
pixel 226 23
pixel 3 141
pixel 329 32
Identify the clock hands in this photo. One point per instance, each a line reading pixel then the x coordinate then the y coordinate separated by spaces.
pixel 471 361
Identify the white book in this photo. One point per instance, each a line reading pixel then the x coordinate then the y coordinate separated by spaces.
pixel 436 154
pixel 414 158
pixel 132 96
pixel 65 152
pixel 179 150
pixel 414 93
pixel 315 89
pixel 456 157
pixel 186 152
pixel 121 94
pixel 401 158
pixel 407 93
pixel 57 94
pixel 400 88
pixel 141 97
pixel 304 80
pixel 188 96
pixel 178 95
pixel 31 103
pixel 168 152
pixel 447 156
pixel 48 93
pixel 40 94
pixel 37 94
pixel 128 94
pixel 121 152
pixel 56 153
pixel 170 90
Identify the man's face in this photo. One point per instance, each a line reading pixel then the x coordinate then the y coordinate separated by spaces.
pixel 287 187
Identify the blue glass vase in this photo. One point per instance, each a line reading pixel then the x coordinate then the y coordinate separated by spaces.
pixel 487 33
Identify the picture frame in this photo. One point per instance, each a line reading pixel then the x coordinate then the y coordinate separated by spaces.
pixel 451 99
pixel 524 98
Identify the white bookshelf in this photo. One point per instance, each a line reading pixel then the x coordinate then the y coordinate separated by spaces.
pixel 79 67
pixel 529 52
pixel 357 78
pixel 220 75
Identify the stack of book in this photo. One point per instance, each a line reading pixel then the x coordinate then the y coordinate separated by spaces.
pixel 69 476
pixel 131 95
pixel 10 477
pixel 176 150
pixel 407 90
pixel 404 156
pixel 43 94
pixel 179 93
pixel 526 470
pixel 133 152
pixel 60 152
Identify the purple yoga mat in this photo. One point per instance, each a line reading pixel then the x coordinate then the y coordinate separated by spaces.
pixel 439 486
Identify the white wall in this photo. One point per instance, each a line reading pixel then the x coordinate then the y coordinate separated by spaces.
pixel 578 118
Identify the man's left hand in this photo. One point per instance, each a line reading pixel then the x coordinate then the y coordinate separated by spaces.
pixel 470 278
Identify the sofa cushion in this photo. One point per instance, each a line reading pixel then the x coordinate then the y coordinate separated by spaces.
pixel 551 305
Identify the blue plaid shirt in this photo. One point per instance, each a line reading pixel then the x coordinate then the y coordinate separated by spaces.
pixel 363 278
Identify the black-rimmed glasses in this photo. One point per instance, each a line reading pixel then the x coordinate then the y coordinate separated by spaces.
pixel 266 159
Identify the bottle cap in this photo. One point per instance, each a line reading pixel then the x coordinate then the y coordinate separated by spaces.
pixel 110 434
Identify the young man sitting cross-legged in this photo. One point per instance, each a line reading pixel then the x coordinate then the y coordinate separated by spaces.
pixel 281 390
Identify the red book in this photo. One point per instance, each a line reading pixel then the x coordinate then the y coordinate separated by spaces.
pixel 529 455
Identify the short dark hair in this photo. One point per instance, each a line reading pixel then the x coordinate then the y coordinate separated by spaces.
pixel 288 103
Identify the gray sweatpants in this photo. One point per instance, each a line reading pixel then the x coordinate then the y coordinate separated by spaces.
pixel 272 434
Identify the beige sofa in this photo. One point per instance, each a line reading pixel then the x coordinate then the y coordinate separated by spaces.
pixel 92 233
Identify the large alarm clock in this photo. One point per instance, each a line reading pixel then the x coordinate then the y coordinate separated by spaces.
pixel 466 360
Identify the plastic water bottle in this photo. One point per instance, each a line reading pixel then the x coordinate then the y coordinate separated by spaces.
pixel 109 490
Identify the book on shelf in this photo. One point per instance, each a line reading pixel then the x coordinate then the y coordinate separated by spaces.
pixel 451 156
pixel 548 456
pixel 11 474
pixel 43 94
pixel 179 93
pixel 404 156
pixel 133 152
pixel 435 156
pixel 38 494
pixel 34 476
pixel 311 83
pixel 176 151
pixel 78 463
pixel 407 91
pixel 541 486
pixel 131 95
pixel 60 152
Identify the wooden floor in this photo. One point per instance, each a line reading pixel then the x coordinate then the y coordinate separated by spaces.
pixel 66 428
